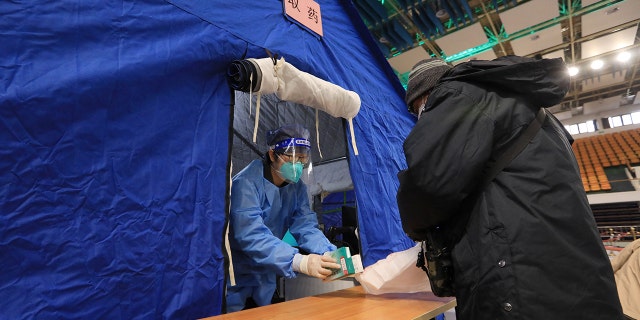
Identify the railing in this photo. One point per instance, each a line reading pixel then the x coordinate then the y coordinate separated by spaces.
pixel 618 236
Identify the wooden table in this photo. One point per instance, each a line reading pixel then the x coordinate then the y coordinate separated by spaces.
pixel 351 303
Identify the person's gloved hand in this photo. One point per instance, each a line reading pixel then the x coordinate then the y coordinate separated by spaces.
pixel 318 266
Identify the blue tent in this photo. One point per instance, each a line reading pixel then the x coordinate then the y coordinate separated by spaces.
pixel 332 204
pixel 116 130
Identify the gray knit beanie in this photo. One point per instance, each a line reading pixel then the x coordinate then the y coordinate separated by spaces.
pixel 423 77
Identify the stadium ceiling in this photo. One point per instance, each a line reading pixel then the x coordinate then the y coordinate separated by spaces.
pixel 579 31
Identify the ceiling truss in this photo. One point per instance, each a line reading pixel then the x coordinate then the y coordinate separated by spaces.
pixel 460 30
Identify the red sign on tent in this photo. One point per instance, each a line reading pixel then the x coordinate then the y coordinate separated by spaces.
pixel 306 13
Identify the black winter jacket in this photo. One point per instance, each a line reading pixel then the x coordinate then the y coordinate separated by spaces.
pixel 530 248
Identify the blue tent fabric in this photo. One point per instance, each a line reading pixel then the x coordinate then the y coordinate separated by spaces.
pixel 115 122
pixel 347 56
pixel 331 212
pixel 115 133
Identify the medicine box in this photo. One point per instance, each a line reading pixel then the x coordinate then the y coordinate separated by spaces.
pixel 349 265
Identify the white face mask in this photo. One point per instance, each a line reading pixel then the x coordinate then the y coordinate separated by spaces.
pixel 421 108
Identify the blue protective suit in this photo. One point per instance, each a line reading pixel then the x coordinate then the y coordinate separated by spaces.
pixel 260 215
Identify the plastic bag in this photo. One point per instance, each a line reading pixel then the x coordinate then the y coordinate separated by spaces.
pixel 397 273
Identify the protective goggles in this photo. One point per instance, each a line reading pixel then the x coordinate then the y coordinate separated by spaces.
pixel 293 150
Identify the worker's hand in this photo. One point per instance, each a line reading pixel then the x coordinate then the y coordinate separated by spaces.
pixel 318 266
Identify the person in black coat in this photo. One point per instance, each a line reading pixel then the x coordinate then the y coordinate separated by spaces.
pixel 529 246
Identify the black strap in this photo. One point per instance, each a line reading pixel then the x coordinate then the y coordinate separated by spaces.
pixel 516 147
pixel 455 227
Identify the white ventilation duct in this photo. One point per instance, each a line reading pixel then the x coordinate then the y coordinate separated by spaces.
pixel 268 75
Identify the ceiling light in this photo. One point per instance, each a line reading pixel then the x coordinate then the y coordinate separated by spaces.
pixel 597 64
pixel 624 56
pixel 440 12
pixel 573 71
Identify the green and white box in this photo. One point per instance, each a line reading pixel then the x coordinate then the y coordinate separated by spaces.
pixel 349 265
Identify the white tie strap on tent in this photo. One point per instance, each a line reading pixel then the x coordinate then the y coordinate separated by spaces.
pixel 268 75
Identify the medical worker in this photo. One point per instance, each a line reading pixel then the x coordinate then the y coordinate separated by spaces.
pixel 267 199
